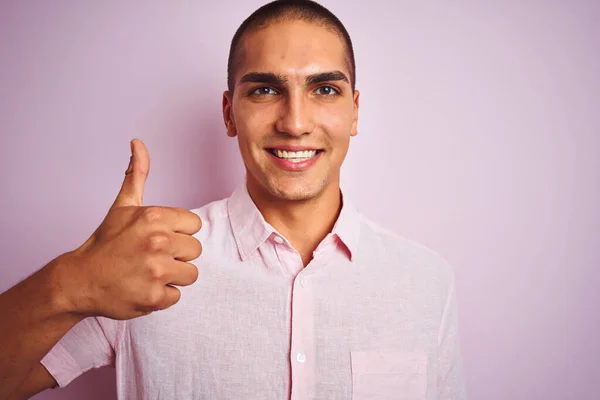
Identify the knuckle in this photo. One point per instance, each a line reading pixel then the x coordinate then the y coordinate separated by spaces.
pixel 156 272
pixel 158 242
pixel 151 215
pixel 155 299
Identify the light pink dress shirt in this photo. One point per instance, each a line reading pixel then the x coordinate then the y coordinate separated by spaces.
pixel 373 316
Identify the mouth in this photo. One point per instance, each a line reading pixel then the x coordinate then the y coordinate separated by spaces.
pixel 297 156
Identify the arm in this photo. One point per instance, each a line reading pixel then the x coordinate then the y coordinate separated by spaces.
pixel 35 315
pixel 38 380
pixel 126 269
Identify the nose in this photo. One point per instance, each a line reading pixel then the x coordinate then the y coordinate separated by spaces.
pixel 296 118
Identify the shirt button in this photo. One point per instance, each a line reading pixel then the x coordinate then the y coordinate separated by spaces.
pixel 278 239
pixel 301 282
pixel 301 357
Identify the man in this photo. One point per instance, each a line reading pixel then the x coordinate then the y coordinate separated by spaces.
pixel 296 294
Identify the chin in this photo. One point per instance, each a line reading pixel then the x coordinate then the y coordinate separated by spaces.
pixel 295 191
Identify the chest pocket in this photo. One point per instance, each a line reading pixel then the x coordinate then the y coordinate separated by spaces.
pixel 389 375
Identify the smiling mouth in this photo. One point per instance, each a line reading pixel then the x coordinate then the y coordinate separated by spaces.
pixel 295 156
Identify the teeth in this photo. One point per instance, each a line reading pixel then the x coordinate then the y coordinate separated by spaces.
pixel 295 155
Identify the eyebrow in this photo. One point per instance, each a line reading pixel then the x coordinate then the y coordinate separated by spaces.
pixel 263 77
pixel 280 80
pixel 326 77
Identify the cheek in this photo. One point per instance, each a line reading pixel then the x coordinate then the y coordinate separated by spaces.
pixel 337 122
pixel 252 125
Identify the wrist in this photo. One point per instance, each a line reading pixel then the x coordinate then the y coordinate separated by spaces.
pixel 65 293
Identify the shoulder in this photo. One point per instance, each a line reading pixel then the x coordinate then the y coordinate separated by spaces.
pixel 401 253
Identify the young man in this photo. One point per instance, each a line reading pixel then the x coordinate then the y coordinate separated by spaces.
pixel 296 294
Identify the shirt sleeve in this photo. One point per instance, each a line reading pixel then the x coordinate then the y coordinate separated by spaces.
pixel 89 344
pixel 451 381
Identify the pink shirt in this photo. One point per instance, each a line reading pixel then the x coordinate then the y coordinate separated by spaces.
pixel 373 316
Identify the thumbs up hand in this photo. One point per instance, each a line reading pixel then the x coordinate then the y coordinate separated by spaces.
pixel 131 264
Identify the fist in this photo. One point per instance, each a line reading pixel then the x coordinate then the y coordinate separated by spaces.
pixel 132 263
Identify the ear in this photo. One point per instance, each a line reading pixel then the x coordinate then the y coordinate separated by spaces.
pixel 228 114
pixel 354 129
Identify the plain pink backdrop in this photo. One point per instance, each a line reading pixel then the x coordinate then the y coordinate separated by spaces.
pixel 479 136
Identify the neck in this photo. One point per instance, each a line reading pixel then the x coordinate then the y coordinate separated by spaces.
pixel 304 223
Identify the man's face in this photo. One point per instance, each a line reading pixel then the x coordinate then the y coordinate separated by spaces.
pixel 293 109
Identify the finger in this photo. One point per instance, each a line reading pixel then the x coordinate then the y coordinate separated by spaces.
pixel 183 221
pixel 132 190
pixel 181 273
pixel 172 296
pixel 186 247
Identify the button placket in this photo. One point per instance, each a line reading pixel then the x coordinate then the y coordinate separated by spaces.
pixel 301 357
pixel 303 336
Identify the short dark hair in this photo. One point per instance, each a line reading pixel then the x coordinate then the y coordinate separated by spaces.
pixel 282 10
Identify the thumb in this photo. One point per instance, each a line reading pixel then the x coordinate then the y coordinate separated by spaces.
pixel 132 190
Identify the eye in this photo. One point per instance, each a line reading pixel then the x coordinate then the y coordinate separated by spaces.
pixel 327 91
pixel 263 91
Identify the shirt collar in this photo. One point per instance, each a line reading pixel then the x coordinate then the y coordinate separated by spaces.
pixel 250 229
pixel 347 226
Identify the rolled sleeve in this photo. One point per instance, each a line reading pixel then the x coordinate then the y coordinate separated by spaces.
pixel 89 344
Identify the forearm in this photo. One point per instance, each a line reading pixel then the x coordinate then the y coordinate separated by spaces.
pixel 35 314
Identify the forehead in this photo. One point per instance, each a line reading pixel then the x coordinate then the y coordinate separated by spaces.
pixel 293 48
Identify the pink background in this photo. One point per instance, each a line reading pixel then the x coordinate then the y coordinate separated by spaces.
pixel 479 136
